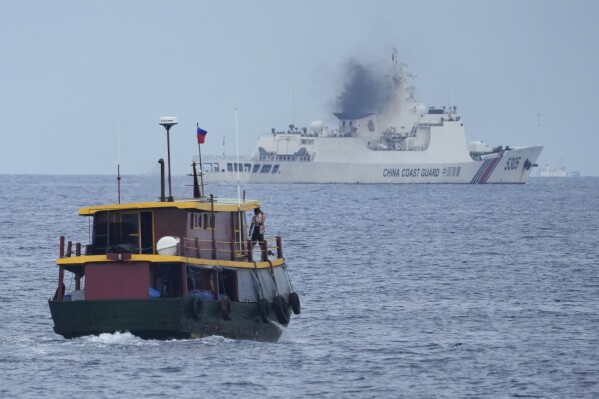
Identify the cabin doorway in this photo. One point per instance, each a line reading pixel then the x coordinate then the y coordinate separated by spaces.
pixel 147 232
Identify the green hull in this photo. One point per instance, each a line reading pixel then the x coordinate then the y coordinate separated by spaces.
pixel 161 319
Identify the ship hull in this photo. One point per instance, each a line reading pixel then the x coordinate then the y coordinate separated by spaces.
pixel 509 167
pixel 161 319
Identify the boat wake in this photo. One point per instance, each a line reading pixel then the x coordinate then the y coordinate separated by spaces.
pixel 117 338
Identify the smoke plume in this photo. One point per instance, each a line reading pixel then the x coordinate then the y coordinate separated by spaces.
pixel 365 90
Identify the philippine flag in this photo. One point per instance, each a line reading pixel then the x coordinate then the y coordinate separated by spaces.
pixel 201 135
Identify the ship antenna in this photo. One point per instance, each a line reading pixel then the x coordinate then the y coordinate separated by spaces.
pixel 118 159
pixel 239 221
pixel 538 128
pixel 168 122
pixel 237 148
pixel 118 180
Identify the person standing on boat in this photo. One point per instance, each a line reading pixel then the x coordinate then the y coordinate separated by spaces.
pixel 257 228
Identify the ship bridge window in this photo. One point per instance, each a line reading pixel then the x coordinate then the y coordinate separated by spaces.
pixel 256 168
pixel 247 167
pixel 211 167
pixel 237 167
pixel 265 168
pixel 275 169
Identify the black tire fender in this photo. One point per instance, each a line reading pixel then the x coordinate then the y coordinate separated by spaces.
pixel 294 301
pixel 264 309
pixel 225 308
pixel 197 308
pixel 281 310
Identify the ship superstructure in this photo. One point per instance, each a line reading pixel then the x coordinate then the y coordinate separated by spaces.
pixel 402 142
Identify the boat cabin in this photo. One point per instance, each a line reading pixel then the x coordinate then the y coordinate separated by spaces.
pixel 206 253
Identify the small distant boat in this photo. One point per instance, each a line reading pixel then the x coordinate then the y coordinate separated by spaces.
pixel 553 171
pixel 173 268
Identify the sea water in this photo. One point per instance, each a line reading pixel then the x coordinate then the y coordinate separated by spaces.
pixel 415 291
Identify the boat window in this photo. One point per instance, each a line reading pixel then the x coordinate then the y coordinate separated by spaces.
pixel 275 169
pixel 265 168
pixel 235 167
pixel 201 221
pixel 130 222
pixel 200 282
pixel 216 167
pixel 100 237
pixel 247 167
pixel 196 221
pixel 166 279
pixel 120 232
pixel 256 168
pixel 230 167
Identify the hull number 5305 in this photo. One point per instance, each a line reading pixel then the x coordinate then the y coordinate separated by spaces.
pixel 512 163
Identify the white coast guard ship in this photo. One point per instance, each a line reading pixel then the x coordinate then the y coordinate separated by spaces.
pixel 405 142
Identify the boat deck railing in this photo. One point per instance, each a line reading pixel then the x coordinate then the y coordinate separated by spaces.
pixel 233 250
pixel 205 249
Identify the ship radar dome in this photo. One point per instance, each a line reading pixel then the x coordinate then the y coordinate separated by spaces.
pixel 167 245
pixel 317 126
pixel 480 147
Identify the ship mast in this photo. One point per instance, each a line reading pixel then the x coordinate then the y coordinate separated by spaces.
pixel 168 122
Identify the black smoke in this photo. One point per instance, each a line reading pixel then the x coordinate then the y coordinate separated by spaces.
pixel 365 90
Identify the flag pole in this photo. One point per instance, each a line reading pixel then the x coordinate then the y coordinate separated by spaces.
pixel 201 166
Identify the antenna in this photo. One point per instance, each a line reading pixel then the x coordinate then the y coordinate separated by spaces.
pixel 168 122
pixel 237 148
pixel 118 159
pixel 240 222
pixel 538 128
pixel 118 180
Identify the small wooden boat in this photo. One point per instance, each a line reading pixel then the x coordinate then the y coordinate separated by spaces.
pixel 181 268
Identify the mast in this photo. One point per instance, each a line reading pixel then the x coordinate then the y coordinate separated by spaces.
pixel 239 221
pixel 168 122
pixel 200 153
pixel 118 180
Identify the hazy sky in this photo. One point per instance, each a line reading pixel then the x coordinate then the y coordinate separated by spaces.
pixel 84 83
